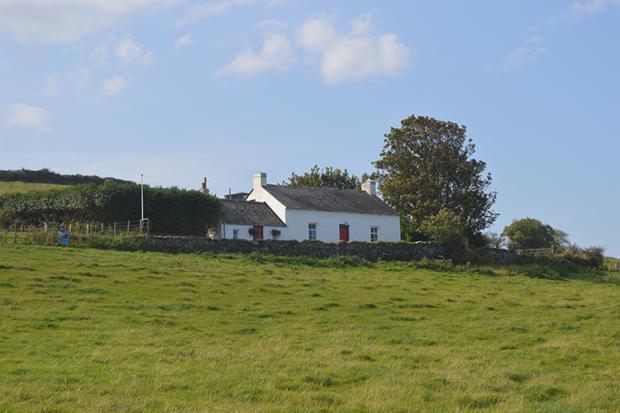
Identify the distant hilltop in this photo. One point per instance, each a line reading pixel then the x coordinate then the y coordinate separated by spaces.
pixel 45 176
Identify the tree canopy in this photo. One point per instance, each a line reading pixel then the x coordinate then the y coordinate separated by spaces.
pixel 426 166
pixel 530 233
pixel 327 177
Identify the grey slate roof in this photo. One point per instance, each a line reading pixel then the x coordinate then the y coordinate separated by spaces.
pixel 328 199
pixel 248 213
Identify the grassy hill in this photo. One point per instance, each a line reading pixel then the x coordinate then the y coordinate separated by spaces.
pixel 22 187
pixel 89 330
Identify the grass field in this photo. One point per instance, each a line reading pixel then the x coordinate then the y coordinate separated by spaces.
pixel 87 330
pixel 14 187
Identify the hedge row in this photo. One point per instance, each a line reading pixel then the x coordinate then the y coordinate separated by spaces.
pixel 170 210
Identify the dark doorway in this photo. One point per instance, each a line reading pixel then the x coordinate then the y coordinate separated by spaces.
pixel 257 233
pixel 344 232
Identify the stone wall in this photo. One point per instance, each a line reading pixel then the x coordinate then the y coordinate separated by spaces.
pixel 388 251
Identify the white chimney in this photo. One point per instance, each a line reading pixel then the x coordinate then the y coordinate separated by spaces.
pixel 260 179
pixel 370 187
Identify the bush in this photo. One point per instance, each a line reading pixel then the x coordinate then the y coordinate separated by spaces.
pixel 529 233
pixel 449 230
pixel 590 257
pixel 170 210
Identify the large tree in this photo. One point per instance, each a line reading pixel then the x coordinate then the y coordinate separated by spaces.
pixel 426 167
pixel 327 177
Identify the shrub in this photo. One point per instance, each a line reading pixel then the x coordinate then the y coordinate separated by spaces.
pixel 529 233
pixel 446 228
pixel 590 257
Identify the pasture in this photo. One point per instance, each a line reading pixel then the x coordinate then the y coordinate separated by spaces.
pixel 24 187
pixel 107 331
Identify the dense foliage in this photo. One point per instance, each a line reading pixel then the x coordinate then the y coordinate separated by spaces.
pixel 327 177
pixel 530 233
pixel 427 166
pixel 170 210
pixel 45 176
pixel 446 228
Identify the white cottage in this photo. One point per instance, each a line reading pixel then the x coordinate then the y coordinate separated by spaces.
pixel 324 214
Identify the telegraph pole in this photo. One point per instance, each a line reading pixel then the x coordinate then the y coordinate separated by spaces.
pixel 142 197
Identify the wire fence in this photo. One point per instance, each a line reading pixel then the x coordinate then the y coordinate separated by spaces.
pixel 52 230
pixel 72 233
pixel 85 228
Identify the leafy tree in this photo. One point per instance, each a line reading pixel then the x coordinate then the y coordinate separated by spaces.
pixel 427 166
pixel 530 233
pixel 446 228
pixel 327 177
pixel 494 240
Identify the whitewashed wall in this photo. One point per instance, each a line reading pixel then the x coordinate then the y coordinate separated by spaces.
pixel 260 194
pixel 227 230
pixel 328 225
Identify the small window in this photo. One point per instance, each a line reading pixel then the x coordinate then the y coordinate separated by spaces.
pixel 235 234
pixel 312 231
pixel 374 234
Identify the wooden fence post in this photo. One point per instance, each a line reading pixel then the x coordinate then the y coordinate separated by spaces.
pixel 115 229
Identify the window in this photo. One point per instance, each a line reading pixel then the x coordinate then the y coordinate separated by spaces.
pixel 312 231
pixel 235 234
pixel 374 234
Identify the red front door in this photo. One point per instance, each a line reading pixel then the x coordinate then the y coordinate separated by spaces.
pixel 344 232
pixel 258 232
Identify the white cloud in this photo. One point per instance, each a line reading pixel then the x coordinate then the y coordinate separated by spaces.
pixel 216 8
pixel 588 7
pixel 127 51
pixel 530 49
pixel 362 24
pixel 277 53
pixel 113 86
pixel 271 26
pixel 355 55
pixel 21 114
pixel 184 40
pixel 60 21
pixel 204 11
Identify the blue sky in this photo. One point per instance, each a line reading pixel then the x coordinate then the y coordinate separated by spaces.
pixel 179 90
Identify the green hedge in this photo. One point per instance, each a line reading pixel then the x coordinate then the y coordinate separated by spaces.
pixel 170 210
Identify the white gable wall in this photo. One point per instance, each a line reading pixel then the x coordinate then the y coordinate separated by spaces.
pixel 328 225
pixel 260 194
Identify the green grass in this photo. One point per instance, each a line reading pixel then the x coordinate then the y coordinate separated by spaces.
pixel 105 331
pixel 23 187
